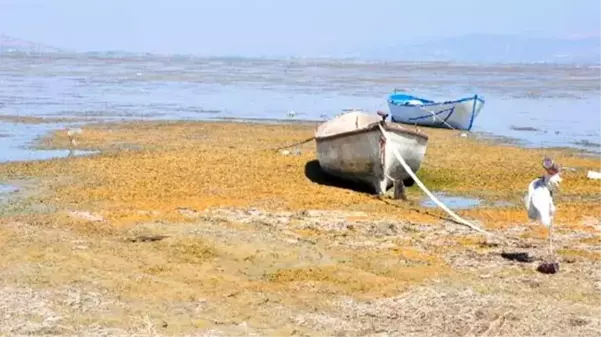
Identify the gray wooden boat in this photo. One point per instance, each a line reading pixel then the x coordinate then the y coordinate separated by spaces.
pixel 351 147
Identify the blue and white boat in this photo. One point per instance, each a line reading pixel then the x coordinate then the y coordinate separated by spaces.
pixel 458 114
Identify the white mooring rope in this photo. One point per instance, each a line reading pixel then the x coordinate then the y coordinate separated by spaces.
pixel 436 117
pixel 421 185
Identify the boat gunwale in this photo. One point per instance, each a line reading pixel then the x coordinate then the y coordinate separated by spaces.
pixel 373 126
pixel 433 103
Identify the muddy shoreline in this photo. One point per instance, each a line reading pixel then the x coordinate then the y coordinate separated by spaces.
pixel 250 242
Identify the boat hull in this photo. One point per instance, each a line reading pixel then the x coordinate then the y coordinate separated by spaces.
pixel 364 157
pixel 459 114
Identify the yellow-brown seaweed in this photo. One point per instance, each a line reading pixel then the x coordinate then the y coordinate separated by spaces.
pixel 252 243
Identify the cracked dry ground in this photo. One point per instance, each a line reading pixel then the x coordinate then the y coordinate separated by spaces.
pixel 198 229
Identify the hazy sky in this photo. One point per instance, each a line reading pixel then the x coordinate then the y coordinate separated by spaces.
pixel 280 26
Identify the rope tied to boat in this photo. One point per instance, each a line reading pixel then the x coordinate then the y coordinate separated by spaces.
pixel 421 185
pixel 295 144
pixel 436 117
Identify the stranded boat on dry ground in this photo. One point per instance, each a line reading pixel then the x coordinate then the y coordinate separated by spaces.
pixel 351 146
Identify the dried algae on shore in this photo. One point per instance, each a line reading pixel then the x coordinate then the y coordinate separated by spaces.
pixel 258 242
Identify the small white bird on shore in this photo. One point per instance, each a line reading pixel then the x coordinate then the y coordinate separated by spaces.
pixel 71 132
pixel 593 175
pixel 539 200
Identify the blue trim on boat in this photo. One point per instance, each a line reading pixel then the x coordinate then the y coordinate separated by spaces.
pixel 400 99
pixel 425 102
pixel 449 116
pixel 435 114
pixel 394 120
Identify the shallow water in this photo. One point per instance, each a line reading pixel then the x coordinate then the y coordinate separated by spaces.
pixel 21 154
pixel 6 189
pixel 18 137
pixel 452 202
pixel 561 102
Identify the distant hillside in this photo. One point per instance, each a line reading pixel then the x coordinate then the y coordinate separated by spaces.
pixel 465 49
pixel 10 44
pixel 494 49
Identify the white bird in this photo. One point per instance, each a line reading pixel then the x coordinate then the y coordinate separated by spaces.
pixel 71 132
pixel 593 175
pixel 539 200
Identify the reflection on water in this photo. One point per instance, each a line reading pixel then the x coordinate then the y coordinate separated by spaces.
pixel 29 154
pixel 6 189
pixel 559 104
pixel 18 136
pixel 452 202
pixel 5 192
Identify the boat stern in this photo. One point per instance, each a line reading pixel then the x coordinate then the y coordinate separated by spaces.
pixel 411 145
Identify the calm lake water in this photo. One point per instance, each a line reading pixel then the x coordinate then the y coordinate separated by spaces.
pixel 538 105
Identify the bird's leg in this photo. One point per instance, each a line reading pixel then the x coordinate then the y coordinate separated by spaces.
pixel 72 141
